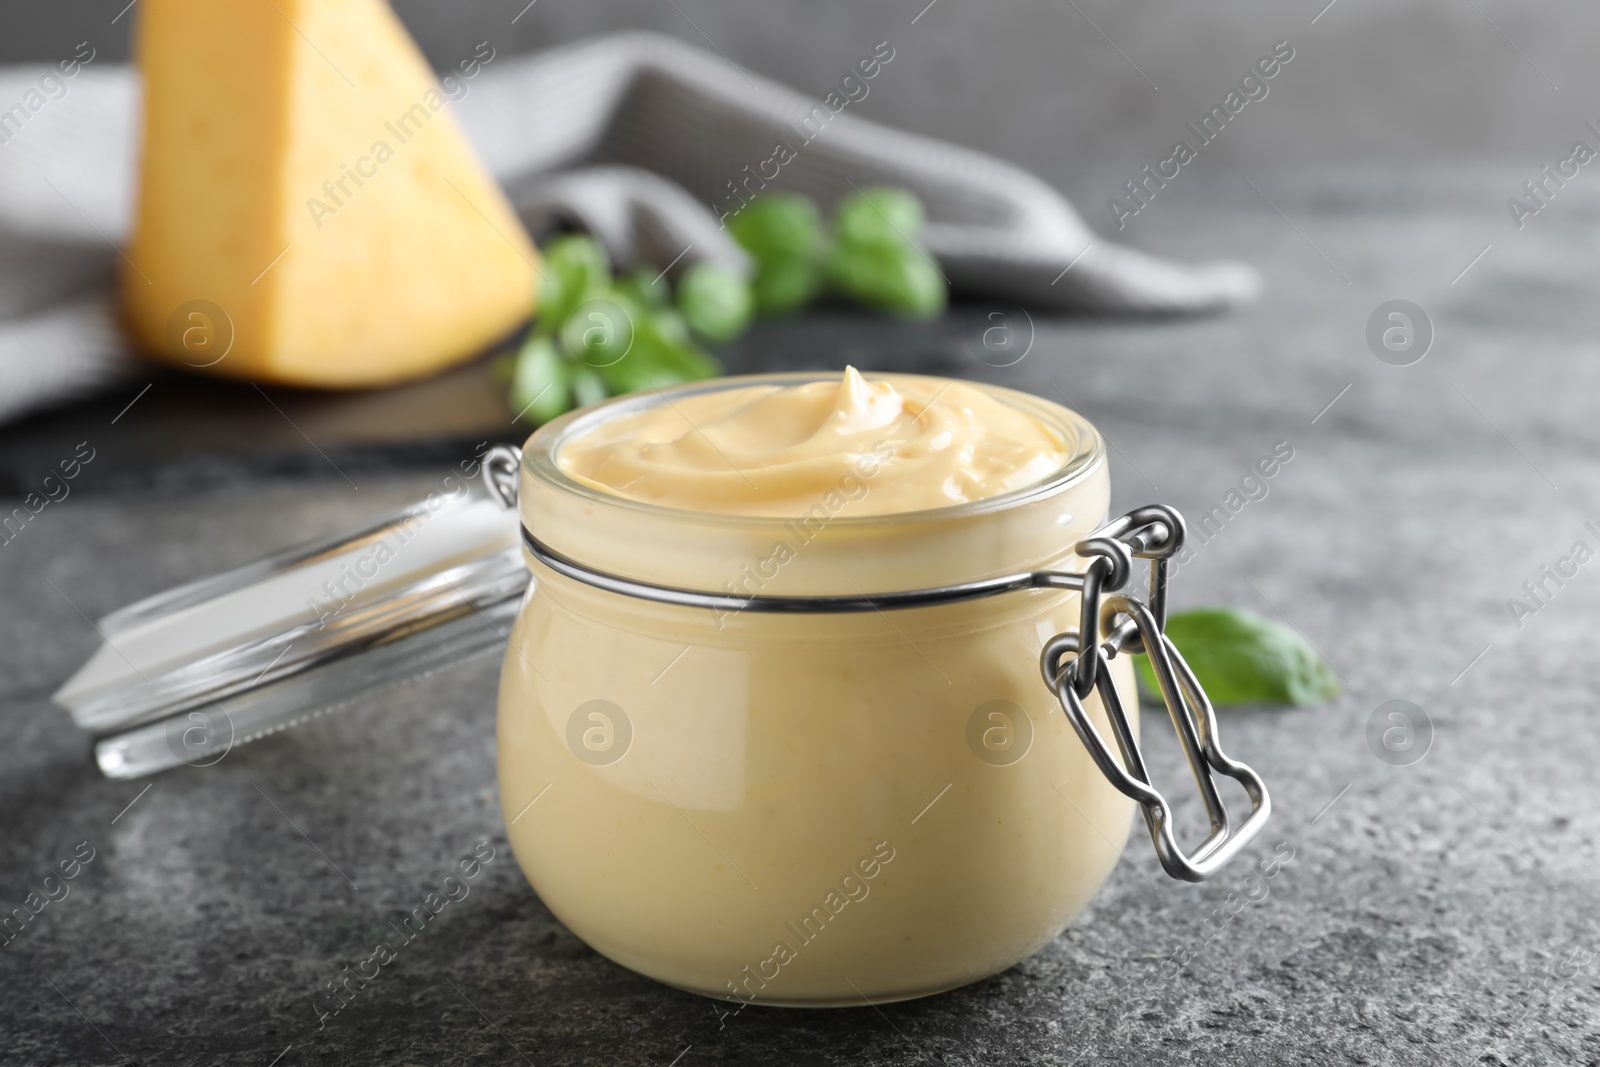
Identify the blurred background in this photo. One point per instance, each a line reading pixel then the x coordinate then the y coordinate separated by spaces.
pixel 1041 83
pixel 1435 110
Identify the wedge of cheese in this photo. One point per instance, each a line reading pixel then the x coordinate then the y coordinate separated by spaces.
pixel 309 212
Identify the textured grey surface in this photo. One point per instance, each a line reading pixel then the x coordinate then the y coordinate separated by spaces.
pixel 1441 913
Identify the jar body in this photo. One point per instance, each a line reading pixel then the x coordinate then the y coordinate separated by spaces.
pixel 805 809
pixel 801 811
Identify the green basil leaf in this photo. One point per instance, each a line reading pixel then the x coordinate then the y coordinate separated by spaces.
pixel 647 287
pixel 587 386
pixel 575 265
pixel 666 325
pixel 662 355
pixel 779 228
pixel 539 389
pixel 786 286
pixel 715 301
pixel 690 363
pixel 880 216
pixel 898 281
pixel 639 369
pixel 1241 658
pixel 600 331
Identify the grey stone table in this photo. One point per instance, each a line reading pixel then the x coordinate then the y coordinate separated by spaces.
pixel 1442 911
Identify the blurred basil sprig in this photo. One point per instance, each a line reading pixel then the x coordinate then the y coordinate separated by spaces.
pixel 596 335
pixel 1241 658
pixel 872 254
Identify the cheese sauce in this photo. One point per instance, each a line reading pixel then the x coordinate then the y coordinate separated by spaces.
pixel 772 451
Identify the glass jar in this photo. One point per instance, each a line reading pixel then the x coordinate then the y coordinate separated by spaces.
pixel 793 808
pixel 795 761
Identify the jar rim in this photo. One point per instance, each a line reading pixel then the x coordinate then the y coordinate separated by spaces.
pixel 542 449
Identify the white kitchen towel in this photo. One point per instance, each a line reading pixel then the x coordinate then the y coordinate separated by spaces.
pixel 643 140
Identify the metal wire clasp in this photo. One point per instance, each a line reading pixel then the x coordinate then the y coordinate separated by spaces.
pixel 1154 533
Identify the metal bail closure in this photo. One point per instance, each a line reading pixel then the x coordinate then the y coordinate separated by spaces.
pixel 500 466
pixel 1154 533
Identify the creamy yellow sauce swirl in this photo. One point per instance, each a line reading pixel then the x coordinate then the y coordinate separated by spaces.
pixel 885 446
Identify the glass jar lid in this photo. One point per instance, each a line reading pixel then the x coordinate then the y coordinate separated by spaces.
pixel 183 676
